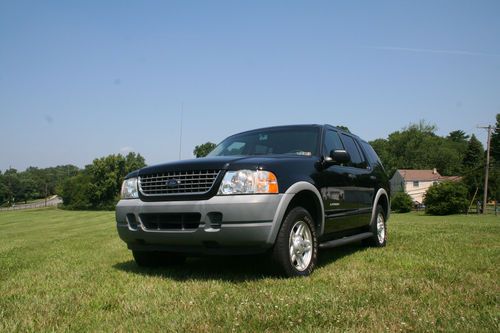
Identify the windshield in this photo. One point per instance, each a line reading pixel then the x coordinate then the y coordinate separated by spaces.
pixel 293 141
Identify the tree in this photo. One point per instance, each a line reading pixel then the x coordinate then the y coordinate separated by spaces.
pixel 383 150
pixel 98 185
pixel 446 198
pixel 203 149
pixel 76 192
pixel 95 187
pixel 34 183
pixel 401 202
pixel 495 140
pixel 494 183
pixel 27 188
pixel 422 126
pixel 473 166
pixel 343 128
pixel 3 190
pixel 474 156
pixel 418 147
pixel 134 161
pixel 106 174
pixel 494 179
pixel 12 184
pixel 458 136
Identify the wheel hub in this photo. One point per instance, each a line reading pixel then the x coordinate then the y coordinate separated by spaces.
pixel 380 228
pixel 300 245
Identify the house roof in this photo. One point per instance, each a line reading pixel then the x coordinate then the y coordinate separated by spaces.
pixel 420 175
pixel 425 175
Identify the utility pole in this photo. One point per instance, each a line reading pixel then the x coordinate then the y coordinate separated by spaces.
pixel 487 170
pixel 489 128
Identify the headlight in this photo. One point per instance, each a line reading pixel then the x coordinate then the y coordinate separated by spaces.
pixel 248 182
pixel 129 189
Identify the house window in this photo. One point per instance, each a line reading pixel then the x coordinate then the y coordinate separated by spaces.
pixel 416 183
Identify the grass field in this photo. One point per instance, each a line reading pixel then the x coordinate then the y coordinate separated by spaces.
pixel 68 271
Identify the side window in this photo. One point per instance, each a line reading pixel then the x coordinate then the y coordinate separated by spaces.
pixel 357 159
pixel 370 153
pixel 332 142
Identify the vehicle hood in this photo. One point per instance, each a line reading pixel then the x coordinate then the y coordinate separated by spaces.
pixel 263 162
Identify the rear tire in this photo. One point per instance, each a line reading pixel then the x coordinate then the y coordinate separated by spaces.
pixel 378 227
pixel 295 252
pixel 155 259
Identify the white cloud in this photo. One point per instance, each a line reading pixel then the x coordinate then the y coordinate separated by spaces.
pixel 126 149
pixel 437 51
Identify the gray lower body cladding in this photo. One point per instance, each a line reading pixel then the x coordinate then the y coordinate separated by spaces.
pixel 221 225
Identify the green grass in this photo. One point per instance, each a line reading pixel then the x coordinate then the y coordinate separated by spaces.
pixel 68 271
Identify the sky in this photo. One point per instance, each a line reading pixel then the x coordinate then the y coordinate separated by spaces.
pixel 85 79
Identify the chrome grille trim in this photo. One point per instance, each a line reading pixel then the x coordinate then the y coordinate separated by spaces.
pixel 189 182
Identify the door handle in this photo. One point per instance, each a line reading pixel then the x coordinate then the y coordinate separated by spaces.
pixel 352 176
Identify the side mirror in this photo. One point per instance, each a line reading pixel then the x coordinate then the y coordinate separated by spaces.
pixel 338 157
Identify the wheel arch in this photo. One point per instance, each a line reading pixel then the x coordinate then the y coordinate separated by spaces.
pixel 305 195
pixel 382 199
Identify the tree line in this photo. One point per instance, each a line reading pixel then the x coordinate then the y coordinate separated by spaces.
pixel 97 186
pixel 417 146
pixel 33 183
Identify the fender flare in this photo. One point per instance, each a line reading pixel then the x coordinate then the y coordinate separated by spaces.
pixel 285 202
pixel 381 192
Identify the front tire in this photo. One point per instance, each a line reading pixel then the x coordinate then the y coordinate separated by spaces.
pixel 295 252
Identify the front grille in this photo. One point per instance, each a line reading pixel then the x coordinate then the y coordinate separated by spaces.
pixel 178 182
pixel 170 221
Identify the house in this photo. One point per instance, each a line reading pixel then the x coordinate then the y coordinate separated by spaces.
pixel 417 182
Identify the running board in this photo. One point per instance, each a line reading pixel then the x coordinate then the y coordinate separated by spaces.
pixel 345 240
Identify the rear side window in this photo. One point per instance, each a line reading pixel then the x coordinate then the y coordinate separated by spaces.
pixel 370 153
pixel 357 159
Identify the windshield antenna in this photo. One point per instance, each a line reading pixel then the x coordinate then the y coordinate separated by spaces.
pixel 180 134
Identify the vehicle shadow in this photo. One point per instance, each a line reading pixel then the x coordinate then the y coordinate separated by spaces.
pixel 329 256
pixel 230 268
pixel 226 268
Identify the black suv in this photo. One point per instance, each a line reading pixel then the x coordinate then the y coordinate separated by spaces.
pixel 286 190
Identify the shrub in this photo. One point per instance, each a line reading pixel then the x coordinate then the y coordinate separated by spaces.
pixel 446 198
pixel 401 202
pixel 98 185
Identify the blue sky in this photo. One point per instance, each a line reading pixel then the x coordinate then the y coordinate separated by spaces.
pixel 84 79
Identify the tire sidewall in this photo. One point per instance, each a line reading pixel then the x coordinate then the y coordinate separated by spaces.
pixel 281 249
pixel 376 241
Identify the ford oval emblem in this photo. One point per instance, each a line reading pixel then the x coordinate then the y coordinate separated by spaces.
pixel 171 183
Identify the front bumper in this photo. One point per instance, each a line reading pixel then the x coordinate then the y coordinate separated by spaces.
pixel 247 225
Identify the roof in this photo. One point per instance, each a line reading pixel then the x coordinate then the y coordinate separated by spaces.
pixel 420 175
pixel 425 175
